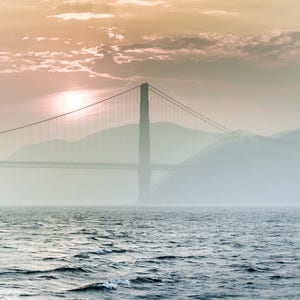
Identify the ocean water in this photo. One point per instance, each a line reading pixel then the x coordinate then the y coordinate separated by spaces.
pixel 149 253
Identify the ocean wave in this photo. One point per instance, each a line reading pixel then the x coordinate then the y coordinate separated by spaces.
pixel 85 254
pixel 253 269
pixel 55 270
pixel 142 279
pixel 87 231
pixel 107 285
pixel 149 265
pixel 162 257
pixel 70 269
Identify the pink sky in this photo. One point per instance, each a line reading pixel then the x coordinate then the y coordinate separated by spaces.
pixel 234 61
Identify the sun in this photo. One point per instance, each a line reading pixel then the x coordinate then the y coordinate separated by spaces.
pixel 74 100
pixel 66 102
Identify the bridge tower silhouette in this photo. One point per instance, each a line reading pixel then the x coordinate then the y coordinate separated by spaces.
pixel 144 168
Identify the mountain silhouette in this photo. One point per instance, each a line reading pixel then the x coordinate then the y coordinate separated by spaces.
pixel 249 170
pixel 170 143
pixel 215 170
pixel 292 135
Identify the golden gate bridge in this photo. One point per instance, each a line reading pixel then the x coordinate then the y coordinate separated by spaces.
pixel 72 140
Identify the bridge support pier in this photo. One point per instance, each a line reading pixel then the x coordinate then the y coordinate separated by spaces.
pixel 144 171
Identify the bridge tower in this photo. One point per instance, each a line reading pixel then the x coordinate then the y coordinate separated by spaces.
pixel 144 171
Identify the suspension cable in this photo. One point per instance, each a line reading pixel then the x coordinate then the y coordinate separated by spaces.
pixel 192 112
pixel 68 113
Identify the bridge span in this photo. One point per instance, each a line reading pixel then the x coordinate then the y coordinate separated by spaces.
pixel 108 113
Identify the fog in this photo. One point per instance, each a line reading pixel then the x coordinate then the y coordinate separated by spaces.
pixel 212 170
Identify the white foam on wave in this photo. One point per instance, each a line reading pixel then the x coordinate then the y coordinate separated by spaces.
pixel 113 284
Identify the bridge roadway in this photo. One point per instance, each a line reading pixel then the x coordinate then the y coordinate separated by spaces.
pixel 87 165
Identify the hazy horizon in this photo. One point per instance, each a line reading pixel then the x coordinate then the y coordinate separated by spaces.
pixel 242 171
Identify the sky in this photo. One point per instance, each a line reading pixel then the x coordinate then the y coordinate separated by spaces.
pixel 237 62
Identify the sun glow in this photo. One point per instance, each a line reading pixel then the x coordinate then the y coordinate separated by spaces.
pixel 74 101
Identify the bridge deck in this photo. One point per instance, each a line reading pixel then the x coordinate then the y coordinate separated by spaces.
pixel 86 165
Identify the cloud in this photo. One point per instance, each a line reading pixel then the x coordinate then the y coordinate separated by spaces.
pixel 76 1
pixel 114 33
pixel 40 38
pixel 141 2
pixel 82 16
pixel 277 48
pixel 80 60
pixel 221 13
pixel 187 47
pixel 273 49
pixel 4 56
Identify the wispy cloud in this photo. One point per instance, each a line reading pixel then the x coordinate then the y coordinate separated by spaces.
pixel 114 33
pixel 275 48
pixel 269 50
pixel 141 2
pixel 221 13
pixel 77 1
pixel 82 16
pixel 4 56
pixel 40 38
pixel 74 61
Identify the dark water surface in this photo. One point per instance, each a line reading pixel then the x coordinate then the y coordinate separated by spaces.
pixel 131 253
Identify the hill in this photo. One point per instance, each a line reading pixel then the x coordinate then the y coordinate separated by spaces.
pixel 170 144
pixel 247 171
pixel 292 135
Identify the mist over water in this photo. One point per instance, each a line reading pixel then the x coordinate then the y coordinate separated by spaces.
pixel 153 253
pixel 210 170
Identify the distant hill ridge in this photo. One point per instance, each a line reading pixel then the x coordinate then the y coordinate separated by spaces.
pixel 246 170
pixel 170 143
pixel 292 135
pixel 251 170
